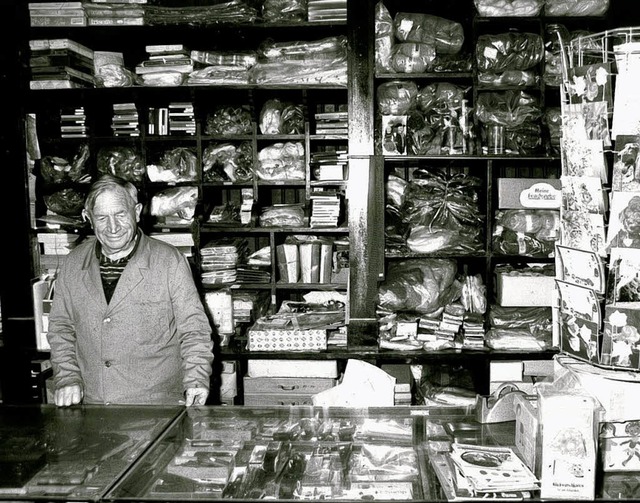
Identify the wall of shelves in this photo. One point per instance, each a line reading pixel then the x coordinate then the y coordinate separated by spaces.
pixel 362 221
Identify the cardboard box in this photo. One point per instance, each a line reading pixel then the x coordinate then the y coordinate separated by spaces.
pixel 527 439
pixel 523 193
pixel 286 340
pixel 292 368
pixel 516 289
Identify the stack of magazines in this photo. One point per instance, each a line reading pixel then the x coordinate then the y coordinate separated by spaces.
pixel 219 260
pixel 470 472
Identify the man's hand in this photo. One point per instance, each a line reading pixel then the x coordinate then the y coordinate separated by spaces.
pixel 196 396
pixel 69 395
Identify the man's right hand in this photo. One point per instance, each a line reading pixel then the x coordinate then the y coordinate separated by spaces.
pixel 68 395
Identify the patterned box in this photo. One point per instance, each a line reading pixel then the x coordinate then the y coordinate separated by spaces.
pixel 287 340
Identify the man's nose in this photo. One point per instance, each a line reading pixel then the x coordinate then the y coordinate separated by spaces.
pixel 113 224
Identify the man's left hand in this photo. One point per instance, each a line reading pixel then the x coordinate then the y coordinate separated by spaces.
pixel 196 396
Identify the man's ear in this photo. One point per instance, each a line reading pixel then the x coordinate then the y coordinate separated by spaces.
pixel 85 216
pixel 138 211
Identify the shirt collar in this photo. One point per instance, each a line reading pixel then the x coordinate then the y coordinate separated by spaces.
pixel 98 248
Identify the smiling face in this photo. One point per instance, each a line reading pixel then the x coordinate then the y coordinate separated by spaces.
pixel 114 218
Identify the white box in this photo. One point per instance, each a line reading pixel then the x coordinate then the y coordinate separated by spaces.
pixel 292 368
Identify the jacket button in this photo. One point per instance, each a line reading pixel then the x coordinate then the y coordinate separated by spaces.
pixel 106 320
pixel 107 363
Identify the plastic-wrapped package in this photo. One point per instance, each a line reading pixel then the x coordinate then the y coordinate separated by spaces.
pixel 576 7
pixel 278 117
pixel 384 38
pixel 520 339
pixel 396 97
pixel 282 215
pixel 474 294
pixel 508 51
pixel 66 202
pixel 510 108
pixel 163 79
pixel 533 319
pixel 284 10
pixel 529 232
pixel 509 8
pixel 329 48
pixel 281 161
pixel 440 97
pixel 552 74
pixel 443 213
pixel 180 201
pixel 508 78
pixel 55 169
pixel 112 75
pixel 421 285
pixel 525 139
pixel 412 57
pixel 228 162
pixel 218 75
pixel 124 162
pixel 300 72
pixel 445 35
pixel 176 165
pixel 228 120
pixel 552 119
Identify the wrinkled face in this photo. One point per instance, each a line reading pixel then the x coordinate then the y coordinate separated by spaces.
pixel 114 219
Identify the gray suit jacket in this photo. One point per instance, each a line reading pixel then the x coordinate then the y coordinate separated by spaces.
pixel 149 344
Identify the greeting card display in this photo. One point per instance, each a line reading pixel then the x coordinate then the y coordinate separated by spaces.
pixel 626 167
pixel 580 267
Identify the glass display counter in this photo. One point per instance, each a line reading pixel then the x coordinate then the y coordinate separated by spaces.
pixel 76 453
pixel 134 454
pixel 301 452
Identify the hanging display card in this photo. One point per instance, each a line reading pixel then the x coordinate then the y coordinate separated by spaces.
pixel 581 156
pixel 626 166
pixel 624 221
pixel 626 109
pixel 623 281
pixel 621 336
pixel 583 230
pixel 580 267
pixel 579 321
pixel 583 193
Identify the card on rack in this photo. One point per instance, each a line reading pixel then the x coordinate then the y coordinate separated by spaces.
pixel 580 267
pixel 624 221
pixel 626 166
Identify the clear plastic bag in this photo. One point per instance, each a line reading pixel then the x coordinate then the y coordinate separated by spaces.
pixel 509 51
pixel 445 35
pixel 384 38
pixel 411 57
pixel 180 201
pixel 509 8
pixel 396 97
pixel 576 7
pixel 281 161
pixel 124 162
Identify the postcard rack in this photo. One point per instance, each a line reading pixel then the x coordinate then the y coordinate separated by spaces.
pixel 597 314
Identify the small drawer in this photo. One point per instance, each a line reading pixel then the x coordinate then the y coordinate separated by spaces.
pixel 285 385
pixel 277 399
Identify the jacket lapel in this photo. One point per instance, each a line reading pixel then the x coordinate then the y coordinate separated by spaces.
pixel 91 278
pixel 133 274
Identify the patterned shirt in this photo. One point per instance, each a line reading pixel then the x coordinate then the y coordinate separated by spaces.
pixel 111 270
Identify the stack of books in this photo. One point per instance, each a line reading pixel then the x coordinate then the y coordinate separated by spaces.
pixel 73 123
pixel 125 120
pixel 165 58
pixel 57 243
pixel 473 331
pixel 115 13
pixel 329 164
pixel 402 394
pixel 60 64
pixel 219 259
pixel 325 208
pixel 57 14
pixel 327 10
pixel 334 123
pixel 182 119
